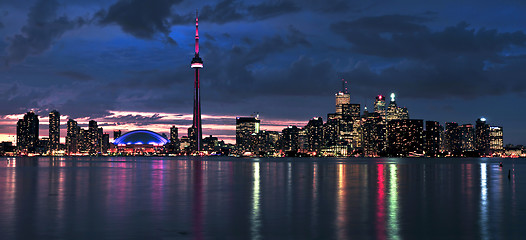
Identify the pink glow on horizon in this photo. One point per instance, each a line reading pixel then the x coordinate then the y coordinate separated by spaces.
pixel 116 120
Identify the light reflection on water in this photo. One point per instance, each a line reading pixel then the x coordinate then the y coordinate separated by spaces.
pixel 226 198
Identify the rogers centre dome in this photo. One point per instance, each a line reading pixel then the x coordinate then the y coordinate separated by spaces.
pixel 140 137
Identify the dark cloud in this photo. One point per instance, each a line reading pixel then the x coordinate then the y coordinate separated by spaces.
pixel 223 12
pixel 42 29
pixel 1 25
pixel 268 10
pixel 456 62
pixel 142 19
pixel 75 75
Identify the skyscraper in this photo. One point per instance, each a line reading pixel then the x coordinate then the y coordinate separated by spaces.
pixel 405 137
pixel 452 140
pixel 342 97
pixel 467 137
pixel 482 136
pixel 496 139
pixel 379 105
pixel 432 138
pixel 315 134
pixel 195 133
pixel 54 130
pixel 246 129
pixel 72 137
pixel 27 133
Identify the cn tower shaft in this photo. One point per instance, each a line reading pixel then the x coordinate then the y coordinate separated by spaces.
pixel 197 63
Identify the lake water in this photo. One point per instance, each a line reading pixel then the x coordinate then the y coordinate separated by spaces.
pixel 265 198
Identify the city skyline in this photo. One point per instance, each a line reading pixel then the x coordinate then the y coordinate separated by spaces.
pixel 134 78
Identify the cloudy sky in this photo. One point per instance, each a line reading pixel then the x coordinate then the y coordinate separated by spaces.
pixel 126 64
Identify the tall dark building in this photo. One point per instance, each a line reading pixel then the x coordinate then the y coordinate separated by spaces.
pixel 373 132
pixel 105 142
pixel 246 130
pixel 290 138
pixel 482 134
pixel 405 137
pixel 72 137
pixel 94 139
pixel 27 133
pixel 116 134
pixel 467 137
pixel 432 138
pixel 315 134
pixel 453 141
pixel 196 133
pixel 54 130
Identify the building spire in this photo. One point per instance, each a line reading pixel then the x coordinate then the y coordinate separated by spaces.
pixel 344 86
pixel 196 33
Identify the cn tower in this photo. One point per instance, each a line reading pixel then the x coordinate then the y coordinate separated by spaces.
pixel 197 63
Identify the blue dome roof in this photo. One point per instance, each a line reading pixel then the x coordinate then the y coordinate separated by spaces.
pixel 141 137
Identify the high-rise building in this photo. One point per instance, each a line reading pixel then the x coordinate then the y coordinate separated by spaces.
pixel 290 138
pixel 432 138
pixel 94 139
pixel 482 143
pixel 245 128
pixel 105 142
pixel 341 99
pixel 72 137
pixel 54 130
pixel 315 134
pixel 405 137
pixel 196 133
pixel 331 129
pixel 394 112
pixel 496 139
pixel 452 136
pixel 351 111
pixel 116 134
pixel 373 132
pixel 379 105
pixel 467 137
pixel 27 133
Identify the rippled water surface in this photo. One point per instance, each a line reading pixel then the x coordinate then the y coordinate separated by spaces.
pixel 234 198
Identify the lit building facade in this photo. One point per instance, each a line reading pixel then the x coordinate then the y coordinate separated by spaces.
pixel 405 137
pixel 467 137
pixel 496 139
pixel 482 141
pixel 54 130
pixel 432 138
pixel 27 132
pixel 453 144
pixel 245 128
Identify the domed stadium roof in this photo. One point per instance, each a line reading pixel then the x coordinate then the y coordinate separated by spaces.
pixel 140 137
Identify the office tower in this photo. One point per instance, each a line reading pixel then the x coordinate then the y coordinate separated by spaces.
pixel 342 97
pixel 196 132
pixel 245 128
pixel 54 130
pixel 210 143
pixel 453 143
pixel 105 142
pixel 394 112
pixel 315 134
pixel 467 137
pixel 290 138
pixel 482 137
pixel 379 105
pixel 27 133
pixel 405 137
pixel 303 140
pixel 93 137
pixel 331 129
pixel 351 111
pixel 173 146
pixel 116 134
pixel 373 132
pixel 432 138
pixel 72 137
pixel 496 139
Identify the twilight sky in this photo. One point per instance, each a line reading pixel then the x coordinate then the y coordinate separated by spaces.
pixel 126 64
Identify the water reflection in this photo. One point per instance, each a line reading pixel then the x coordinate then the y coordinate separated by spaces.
pixel 255 219
pixel 186 198
pixel 483 201
pixel 393 202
